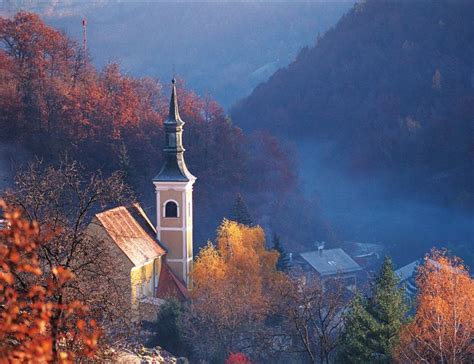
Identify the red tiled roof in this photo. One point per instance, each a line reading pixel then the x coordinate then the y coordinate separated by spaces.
pixel 133 233
pixel 169 285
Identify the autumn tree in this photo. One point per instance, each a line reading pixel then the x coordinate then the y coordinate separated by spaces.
pixel 34 325
pixel 232 291
pixel 63 199
pixel 373 325
pixel 442 329
pixel 41 65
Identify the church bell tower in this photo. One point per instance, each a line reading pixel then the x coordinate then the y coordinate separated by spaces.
pixel 174 197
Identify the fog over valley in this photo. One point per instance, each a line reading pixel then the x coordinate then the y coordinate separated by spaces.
pixel 366 209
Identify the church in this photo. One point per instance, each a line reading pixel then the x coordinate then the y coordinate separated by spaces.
pixel 154 260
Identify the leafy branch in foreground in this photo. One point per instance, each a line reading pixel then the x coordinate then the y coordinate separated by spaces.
pixel 35 324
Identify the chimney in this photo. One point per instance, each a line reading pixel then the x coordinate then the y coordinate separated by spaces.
pixel 320 248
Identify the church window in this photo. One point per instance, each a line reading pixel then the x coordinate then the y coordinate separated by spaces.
pixel 171 209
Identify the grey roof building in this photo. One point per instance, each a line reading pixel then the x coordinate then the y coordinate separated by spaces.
pixel 407 274
pixel 331 262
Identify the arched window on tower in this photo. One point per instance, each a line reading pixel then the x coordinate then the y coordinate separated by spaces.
pixel 171 209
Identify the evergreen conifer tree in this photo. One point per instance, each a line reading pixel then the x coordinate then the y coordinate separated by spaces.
pixel 283 260
pixel 167 331
pixel 240 212
pixel 388 307
pixel 372 326
pixel 355 343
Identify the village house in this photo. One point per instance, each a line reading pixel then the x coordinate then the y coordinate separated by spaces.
pixel 329 264
pixel 407 276
pixel 154 259
pixel 367 255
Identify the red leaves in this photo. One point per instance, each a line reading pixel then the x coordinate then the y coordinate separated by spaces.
pixel 7 278
pixel 237 358
pixel 34 320
pixel 62 275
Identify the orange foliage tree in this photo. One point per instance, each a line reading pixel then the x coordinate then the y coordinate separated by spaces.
pixel 34 327
pixel 39 66
pixel 442 330
pixel 232 291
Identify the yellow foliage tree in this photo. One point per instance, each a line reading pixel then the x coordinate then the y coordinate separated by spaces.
pixel 233 285
pixel 442 330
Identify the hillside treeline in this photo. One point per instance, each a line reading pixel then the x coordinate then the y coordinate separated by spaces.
pixel 392 87
pixel 54 103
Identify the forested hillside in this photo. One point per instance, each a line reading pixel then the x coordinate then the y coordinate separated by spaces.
pixel 391 86
pixel 54 103
pixel 222 47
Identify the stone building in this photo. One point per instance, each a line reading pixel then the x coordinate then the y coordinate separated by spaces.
pixel 154 259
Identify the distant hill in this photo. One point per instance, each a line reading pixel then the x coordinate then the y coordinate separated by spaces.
pixel 224 48
pixel 392 87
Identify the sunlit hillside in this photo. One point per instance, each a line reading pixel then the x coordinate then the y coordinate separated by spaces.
pixel 224 48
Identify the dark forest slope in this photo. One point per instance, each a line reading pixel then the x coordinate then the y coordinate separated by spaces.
pixel 393 85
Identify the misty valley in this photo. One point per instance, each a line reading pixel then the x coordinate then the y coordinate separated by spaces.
pixel 367 209
pixel 236 182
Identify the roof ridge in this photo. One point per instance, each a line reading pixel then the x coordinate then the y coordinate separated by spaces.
pixel 144 215
pixel 126 231
pixel 111 210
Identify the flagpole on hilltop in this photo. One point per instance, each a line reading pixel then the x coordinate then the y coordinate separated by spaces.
pixel 84 39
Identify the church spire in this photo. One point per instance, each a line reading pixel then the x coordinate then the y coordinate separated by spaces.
pixel 174 168
pixel 174 197
pixel 174 108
